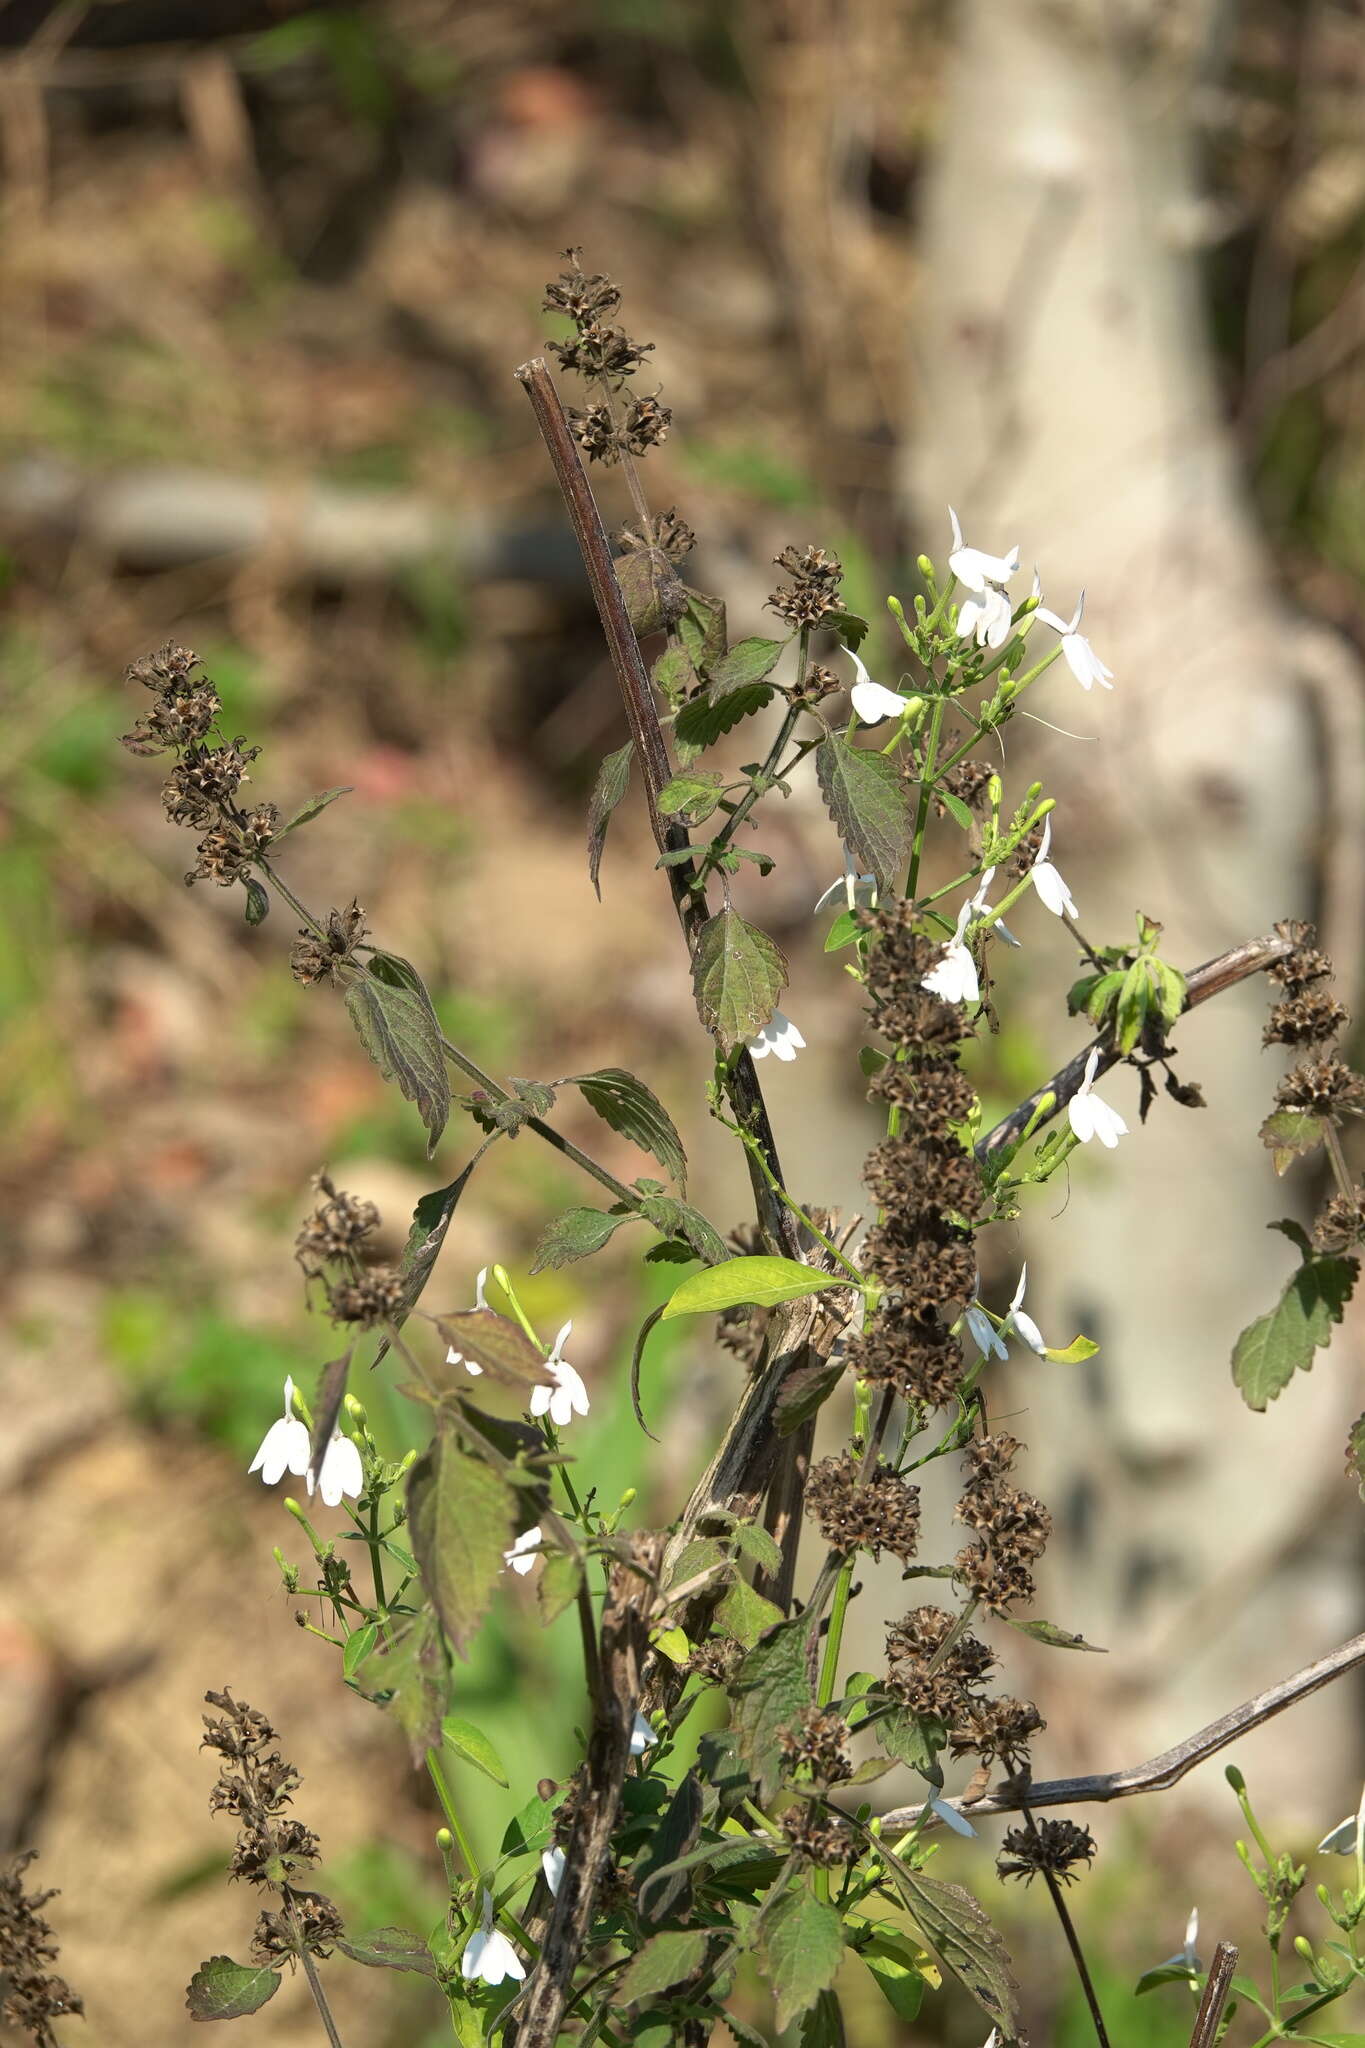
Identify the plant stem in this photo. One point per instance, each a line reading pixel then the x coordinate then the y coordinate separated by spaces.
pixel 925 791
pixel 310 1972
pixel 1077 1953
pixel 436 1771
pixel 1340 1169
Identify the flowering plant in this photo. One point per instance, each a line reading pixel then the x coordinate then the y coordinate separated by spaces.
pixel 626 1898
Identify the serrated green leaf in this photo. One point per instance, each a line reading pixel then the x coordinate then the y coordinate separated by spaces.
pixel 674 1218
pixel 674 675
pixel 762 1282
pixel 693 795
pixel 559 1584
pixel 759 1544
pixel 665 1960
pixel 613 780
pixel 426 1234
pixel 744 1615
pixel 631 1108
pixel 1055 1638
pixel 706 719
pixel 223 1990
pixel 958 1931
pixel 391 1948
pixel 359 1644
pixel 257 902
pixel 869 803
pixel 398 1028
pixel 413 1672
pixel 801 1946
pixel 1291 1134
pixel 576 1234
pixel 470 1744
pixel 748 661
pixel 461 1518
pixel 1276 1346
pixel 737 976
pixel 702 628
pixel 913 1739
pixel 496 1343
pixel 1075 1353
pixel 659 1896
pixel 770 1692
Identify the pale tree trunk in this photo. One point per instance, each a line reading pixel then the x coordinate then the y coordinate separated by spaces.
pixel 1066 401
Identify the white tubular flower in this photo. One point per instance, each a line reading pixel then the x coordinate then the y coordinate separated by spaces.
pixel 871 701
pixel 985 617
pixel 523 1553
pixel 454 1357
pixel 852 887
pixel 984 1334
pixel 1341 1841
pixel 1186 1958
pixel 1091 1118
pixel 552 1864
pixel 568 1396
pixel 1079 656
pixel 284 1447
pixel 955 978
pixel 489 1955
pixel 950 1817
pixel 642 1736
pixel 779 1035
pixel 1051 889
pixel 1018 1324
pixel 341 1471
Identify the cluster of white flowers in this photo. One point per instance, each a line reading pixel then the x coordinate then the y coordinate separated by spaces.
pixel 285 1448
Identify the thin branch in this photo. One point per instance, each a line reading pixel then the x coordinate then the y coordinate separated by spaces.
pixel 1160 1772
pixel 1212 979
pixel 1215 1996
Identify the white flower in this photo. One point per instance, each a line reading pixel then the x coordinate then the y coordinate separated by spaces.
pixel 986 614
pixel 642 1736
pixel 1186 1958
pixel 992 1343
pixel 552 1863
pixel 871 702
pixel 454 1357
pixel 950 1817
pixel 851 886
pixel 992 2039
pixel 1079 656
pixel 488 1954
pixel 955 977
pixel 1342 1839
pixel 341 1471
pixel 779 1035
pixel 1052 890
pixel 568 1396
pixel 522 1555
pixel 1091 1118
pixel 284 1447
pixel 984 1335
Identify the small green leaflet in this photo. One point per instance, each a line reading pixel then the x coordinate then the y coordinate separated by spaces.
pixel 461 1518
pixel 693 795
pixel 748 661
pixel 706 719
pixel 801 1946
pixel 391 1948
pixel 1076 1352
pixel 1276 1346
pixel 955 808
pixel 1055 1638
pixel 613 780
pixel 359 1645
pixel 1291 1134
pixel 665 1960
pixel 575 1234
pixel 623 1101
pixel 559 1583
pixel 307 812
pixel 223 1990
pixel 737 976
pixel 398 1028
pixel 769 1694
pixel 257 902
pixel 869 802
pixel 844 930
pixel 762 1281
pixel 469 1743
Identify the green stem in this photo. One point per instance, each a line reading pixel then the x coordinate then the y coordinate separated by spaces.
pixel 757 1154
pixel 925 792
pixel 759 784
pixel 310 1972
pixel 437 1774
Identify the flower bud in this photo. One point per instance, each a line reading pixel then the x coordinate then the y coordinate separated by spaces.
pixel 445 1841
pixel 1235 1778
pixel 924 565
pixel 355 1409
pixel 1303 1948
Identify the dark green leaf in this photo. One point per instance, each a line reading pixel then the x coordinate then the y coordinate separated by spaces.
pixel 678 1219
pixel 223 1990
pixel 744 1615
pixel 257 902
pixel 398 1029
pixel 327 1407
pixel 413 1672
pixel 763 1281
pixel 958 1931
pixel 851 628
pixel 576 1234
pixel 804 1392
pixel 706 719
pixel 391 1948
pixel 622 1100
pixel 801 1946
pixel 497 1344
pixel 702 628
pixel 757 1543
pixel 1276 1346
pixel 307 812
pixel 613 780
pixel 559 1583
pixel 469 1743
pixel 822 2024
pixel 426 1235
pixel 895 1964
pixel 528 1831
pixel 748 661
pixel 1055 1638
pixel 665 1960
pixel 1291 1134
pixel 737 976
pixel 461 1518
pixel 867 798
pixel 658 1895
pixel 913 1739
pixel 770 1692
pixel 744 2035
pixel 1165 1973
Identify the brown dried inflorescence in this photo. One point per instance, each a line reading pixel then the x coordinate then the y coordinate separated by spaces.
pixel 315 957
pixel 1309 1018
pixel 375 1296
pixel 32 1995
pixel 818 1743
pixel 1325 1087
pixel 668 531
pixel 818 1836
pixel 874 1513
pixel 1340 1223
pixel 336 1229
pixel 813 592
pixel 1048 1847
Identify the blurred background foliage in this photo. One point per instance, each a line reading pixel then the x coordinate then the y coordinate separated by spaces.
pixel 266 270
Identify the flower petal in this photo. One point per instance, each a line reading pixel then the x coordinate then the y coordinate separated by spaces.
pixel 873 703
pixel 950 1817
pixel 341 1473
pixel 642 1736
pixel 552 1865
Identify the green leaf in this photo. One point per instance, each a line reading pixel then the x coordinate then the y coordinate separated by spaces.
pixel 913 1739
pixel 1130 1014
pixel 703 721
pixel 471 1744
pixel 955 808
pixel 869 802
pixel 1291 1134
pixel 692 795
pixel 758 1544
pixel 958 1931
pixel 1055 1638
pixel 895 1962
pixel 744 1615
pixel 763 1281
pixel 496 1343
pixel 559 1583
pixel 804 1392
pixel 822 2024
pixel 397 1025
pixel 613 780
pixel 1076 1352
pixel 631 1108
pixel 844 930
pixel 391 1948
pixel 658 1896
pixel 1276 1346
pixel 678 1219
pixel 461 1518
pixel 1165 1973
pixel 665 1960
pixel 674 675
pixel 702 628
pixel 576 1234
pixel 359 1644
pixel 748 661
pixel 413 1672
pixel 426 1235
pixel 801 1946
pixel 737 976
pixel 851 627
pixel 223 1990
pixel 772 1688
pixel 307 812
pixel 257 902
